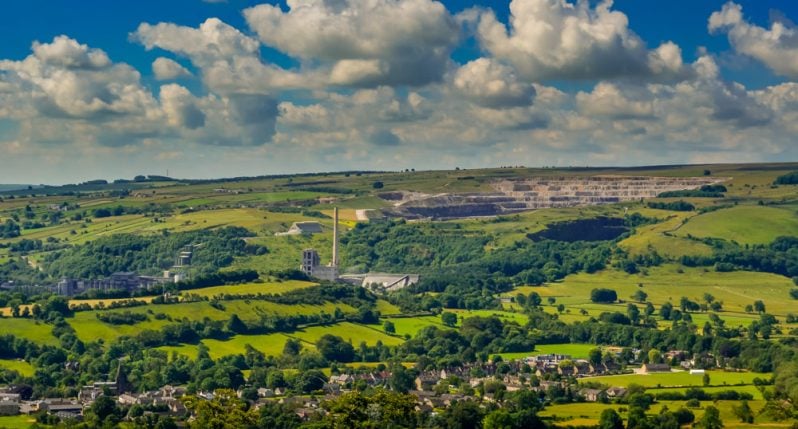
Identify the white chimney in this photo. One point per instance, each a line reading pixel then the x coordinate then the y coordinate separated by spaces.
pixel 335 238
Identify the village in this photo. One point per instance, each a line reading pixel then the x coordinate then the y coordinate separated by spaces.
pixel 555 378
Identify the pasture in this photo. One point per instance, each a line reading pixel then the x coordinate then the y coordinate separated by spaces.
pixel 669 282
pixel 23 368
pixel 38 332
pixel 350 332
pixel 252 288
pixel 679 379
pixel 745 224
pixel 21 421
pixel 587 414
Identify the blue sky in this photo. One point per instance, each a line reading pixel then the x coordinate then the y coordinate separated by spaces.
pixel 411 83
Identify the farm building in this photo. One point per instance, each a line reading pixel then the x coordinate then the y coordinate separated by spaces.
pixel 654 367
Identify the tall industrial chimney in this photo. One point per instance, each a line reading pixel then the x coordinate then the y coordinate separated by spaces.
pixel 334 262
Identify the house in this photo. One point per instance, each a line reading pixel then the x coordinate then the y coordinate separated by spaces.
pixel 615 392
pixel 591 395
pixel 697 372
pixel 9 404
pixel 655 367
pixel 427 381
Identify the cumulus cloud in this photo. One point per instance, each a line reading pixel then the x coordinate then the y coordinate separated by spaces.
pixel 67 79
pixel 776 47
pixel 557 39
pixel 229 60
pixel 608 100
pixel 180 107
pixel 491 84
pixel 167 69
pixel 363 42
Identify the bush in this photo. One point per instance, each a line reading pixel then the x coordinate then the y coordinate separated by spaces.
pixel 602 295
pixel 377 185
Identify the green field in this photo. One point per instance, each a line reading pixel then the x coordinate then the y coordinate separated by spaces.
pixel 743 224
pixel 680 379
pixel 32 330
pixel 350 332
pixel 252 288
pixel 750 389
pixel 16 422
pixel 89 328
pixel 670 282
pixel 20 366
pixel 587 414
pixel 576 350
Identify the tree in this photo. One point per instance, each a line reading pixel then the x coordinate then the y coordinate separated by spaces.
pixel 665 311
pixel 401 379
pixel 633 312
pixel 705 379
pixel 744 412
pixel 235 324
pixel 389 327
pixel 377 185
pixel 449 319
pixel 654 356
pixel 334 348
pixel 605 296
pixel 639 296
pixel 224 411
pixel 292 347
pixel 710 419
pixel 759 306
pixel 534 299
pixel 551 300
pixel 594 356
pixel 610 419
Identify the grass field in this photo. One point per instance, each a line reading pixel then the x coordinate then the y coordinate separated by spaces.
pixel 20 366
pixel 29 329
pixel 659 237
pixel 270 345
pixel 576 350
pixel 670 282
pixel 587 414
pixel 16 422
pixel 680 379
pixel 350 332
pixel 89 328
pixel 252 288
pixel 753 390
pixel 743 224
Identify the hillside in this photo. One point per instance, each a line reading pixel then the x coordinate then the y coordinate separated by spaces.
pixel 507 268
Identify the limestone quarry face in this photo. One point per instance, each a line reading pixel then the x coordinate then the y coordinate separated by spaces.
pixel 518 195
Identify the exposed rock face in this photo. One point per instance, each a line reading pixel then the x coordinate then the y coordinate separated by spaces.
pixel 514 196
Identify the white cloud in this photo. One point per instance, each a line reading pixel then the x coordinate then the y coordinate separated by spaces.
pixel 229 60
pixel 557 39
pixel 488 83
pixel 608 100
pixel 363 42
pixel 776 47
pixel 167 69
pixel 180 107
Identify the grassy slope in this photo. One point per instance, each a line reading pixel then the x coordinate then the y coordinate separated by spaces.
pixel 20 366
pixel 667 283
pixel 743 224
pixel 26 328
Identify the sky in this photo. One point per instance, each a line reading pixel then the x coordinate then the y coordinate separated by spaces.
pixel 203 89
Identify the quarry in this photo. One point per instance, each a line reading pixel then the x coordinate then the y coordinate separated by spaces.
pixel 518 195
